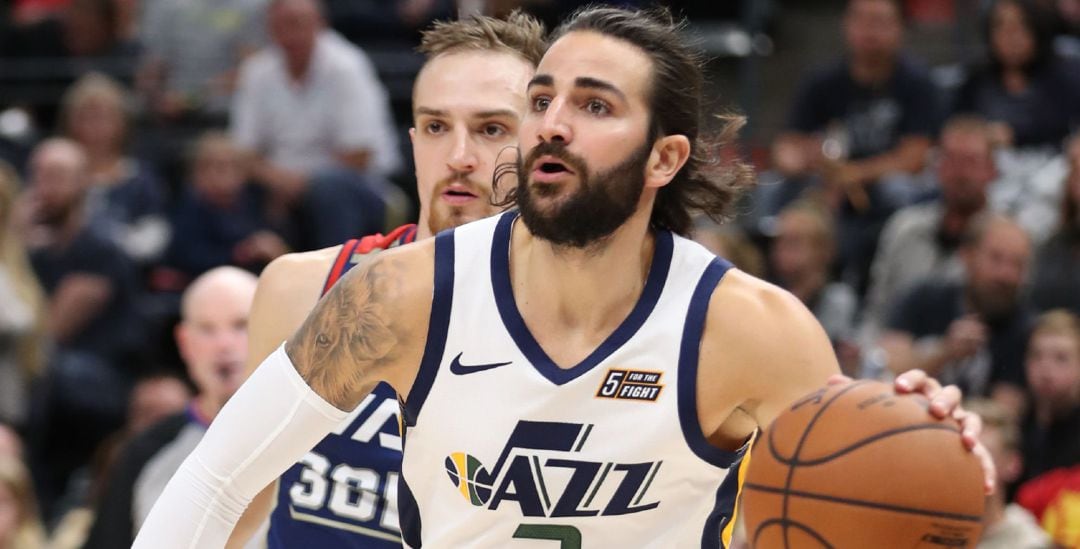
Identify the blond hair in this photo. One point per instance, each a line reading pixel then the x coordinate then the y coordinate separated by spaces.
pixel 996 416
pixel 29 533
pixel 519 34
pixel 14 259
pixel 90 87
pixel 1058 322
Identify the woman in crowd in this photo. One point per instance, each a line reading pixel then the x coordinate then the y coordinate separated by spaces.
pixel 21 306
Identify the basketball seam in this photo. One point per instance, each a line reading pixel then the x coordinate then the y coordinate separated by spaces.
pixel 785 523
pixel 798 448
pixel 863 503
pixel 859 444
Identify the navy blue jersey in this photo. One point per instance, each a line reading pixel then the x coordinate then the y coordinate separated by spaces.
pixel 343 493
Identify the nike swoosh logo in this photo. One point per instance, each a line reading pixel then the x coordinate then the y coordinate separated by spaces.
pixel 457 368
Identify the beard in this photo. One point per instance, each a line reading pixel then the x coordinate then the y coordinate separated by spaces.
pixel 994 302
pixel 601 204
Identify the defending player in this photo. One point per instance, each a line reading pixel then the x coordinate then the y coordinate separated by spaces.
pixel 575 371
pixel 468 100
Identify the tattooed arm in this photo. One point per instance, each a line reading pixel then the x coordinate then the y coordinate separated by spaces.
pixel 370 327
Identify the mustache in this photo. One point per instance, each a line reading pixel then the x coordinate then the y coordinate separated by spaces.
pixel 558 150
pixel 474 187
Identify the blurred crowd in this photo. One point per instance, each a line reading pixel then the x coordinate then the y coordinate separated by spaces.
pixel 928 221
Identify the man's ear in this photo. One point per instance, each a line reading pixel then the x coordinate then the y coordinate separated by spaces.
pixel 669 154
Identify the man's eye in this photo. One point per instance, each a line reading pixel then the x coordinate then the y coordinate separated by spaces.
pixel 598 107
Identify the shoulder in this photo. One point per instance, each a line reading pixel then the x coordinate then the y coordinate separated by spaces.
pixel 915 218
pixel 762 342
pixel 747 309
pixel 261 64
pixel 298 273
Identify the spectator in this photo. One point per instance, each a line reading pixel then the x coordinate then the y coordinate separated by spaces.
pixel 20 527
pixel 220 219
pixel 1027 91
pixel 860 127
pixel 1052 426
pixel 728 241
pixel 1005 526
pixel 973 332
pixel 316 119
pixel 800 261
pixel 1053 498
pixel 124 194
pixel 91 318
pixel 88 280
pixel 922 240
pixel 153 398
pixel 84 38
pixel 191 53
pixel 1056 278
pixel 21 318
pixel 213 342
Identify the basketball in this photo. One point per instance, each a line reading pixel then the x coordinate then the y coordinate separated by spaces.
pixel 858 466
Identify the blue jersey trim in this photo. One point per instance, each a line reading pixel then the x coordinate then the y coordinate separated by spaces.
pixel 515 325
pixel 723 510
pixel 689 351
pixel 408 509
pixel 441 301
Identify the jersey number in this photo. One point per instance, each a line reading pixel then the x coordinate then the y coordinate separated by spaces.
pixel 353 491
pixel 567 536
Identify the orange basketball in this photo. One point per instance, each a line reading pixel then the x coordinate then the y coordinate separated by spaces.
pixel 858 466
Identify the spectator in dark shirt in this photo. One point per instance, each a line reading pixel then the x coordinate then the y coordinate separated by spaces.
pixel 90 287
pixel 1052 427
pixel 220 219
pixel 970 333
pixel 1056 279
pixel 1028 91
pixel 126 196
pixel 800 260
pixel 858 127
pixel 923 239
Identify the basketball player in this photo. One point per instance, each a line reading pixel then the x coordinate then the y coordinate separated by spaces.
pixel 468 100
pixel 571 371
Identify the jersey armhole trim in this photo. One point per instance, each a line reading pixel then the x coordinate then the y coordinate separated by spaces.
pixel 441 302
pixel 689 356
pixel 340 261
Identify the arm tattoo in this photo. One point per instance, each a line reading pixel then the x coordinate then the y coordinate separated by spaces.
pixel 349 334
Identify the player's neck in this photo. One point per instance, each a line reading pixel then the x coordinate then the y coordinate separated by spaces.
pixel 588 290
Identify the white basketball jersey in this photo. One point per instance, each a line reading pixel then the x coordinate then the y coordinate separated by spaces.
pixel 503 448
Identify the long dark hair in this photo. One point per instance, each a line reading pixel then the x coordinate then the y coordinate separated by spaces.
pixel 711 181
pixel 1038 22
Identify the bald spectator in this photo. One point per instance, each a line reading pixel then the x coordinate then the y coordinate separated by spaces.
pixel 212 338
pixel 971 332
pixel 922 240
pixel 312 112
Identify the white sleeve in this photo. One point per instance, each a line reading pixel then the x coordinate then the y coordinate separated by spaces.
pixel 264 428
